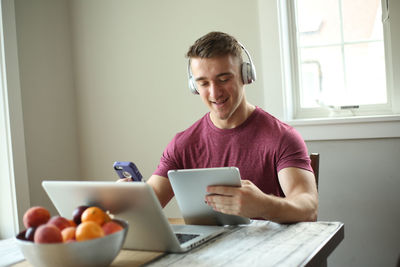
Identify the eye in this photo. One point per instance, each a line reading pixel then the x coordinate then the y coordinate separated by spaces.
pixel 203 83
pixel 224 79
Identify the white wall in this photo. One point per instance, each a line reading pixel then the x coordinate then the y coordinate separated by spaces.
pixel 48 94
pixel 358 185
pixel 106 80
pixel 131 74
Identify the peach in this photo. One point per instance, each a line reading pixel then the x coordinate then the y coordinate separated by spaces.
pixel 111 227
pixel 60 222
pixel 36 216
pixel 48 233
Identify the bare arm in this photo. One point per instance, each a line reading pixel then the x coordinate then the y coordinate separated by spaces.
pixel 300 203
pixel 162 188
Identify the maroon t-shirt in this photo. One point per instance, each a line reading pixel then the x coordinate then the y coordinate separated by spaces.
pixel 260 147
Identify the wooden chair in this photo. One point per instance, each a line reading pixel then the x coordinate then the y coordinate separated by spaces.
pixel 315 165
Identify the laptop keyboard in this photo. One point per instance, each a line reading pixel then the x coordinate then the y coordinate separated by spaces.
pixel 185 237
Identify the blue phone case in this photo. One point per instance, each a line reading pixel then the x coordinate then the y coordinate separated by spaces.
pixel 127 169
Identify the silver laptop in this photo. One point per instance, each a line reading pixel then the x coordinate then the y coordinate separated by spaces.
pixel 189 187
pixel 136 203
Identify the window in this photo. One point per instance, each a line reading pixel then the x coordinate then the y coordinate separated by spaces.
pixel 337 57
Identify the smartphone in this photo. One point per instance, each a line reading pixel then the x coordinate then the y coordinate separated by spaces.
pixel 127 169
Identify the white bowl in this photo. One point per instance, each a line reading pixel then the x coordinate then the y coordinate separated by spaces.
pixel 95 252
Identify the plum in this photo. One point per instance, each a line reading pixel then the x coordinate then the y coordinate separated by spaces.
pixel 77 213
pixel 30 233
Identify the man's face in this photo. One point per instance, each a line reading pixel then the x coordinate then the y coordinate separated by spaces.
pixel 219 83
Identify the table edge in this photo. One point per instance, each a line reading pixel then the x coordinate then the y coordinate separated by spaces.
pixel 321 253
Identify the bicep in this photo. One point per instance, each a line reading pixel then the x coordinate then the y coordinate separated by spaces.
pixel 295 181
pixel 162 188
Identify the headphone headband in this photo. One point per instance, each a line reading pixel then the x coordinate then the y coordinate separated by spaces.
pixel 248 72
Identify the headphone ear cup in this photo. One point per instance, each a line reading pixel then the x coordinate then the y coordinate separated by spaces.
pixel 192 86
pixel 248 73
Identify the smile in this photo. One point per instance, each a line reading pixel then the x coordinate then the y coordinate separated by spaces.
pixel 220 102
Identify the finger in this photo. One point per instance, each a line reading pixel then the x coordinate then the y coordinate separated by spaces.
pixel 245 182
pixel 225 209
pixel 219 200
pixel 221 190
pixel 124 180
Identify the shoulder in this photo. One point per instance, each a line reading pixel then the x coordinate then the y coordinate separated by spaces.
pixel 192 132
pixel 275 129
pixel 265 119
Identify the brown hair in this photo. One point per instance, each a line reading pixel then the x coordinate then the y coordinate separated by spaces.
pixel 215 44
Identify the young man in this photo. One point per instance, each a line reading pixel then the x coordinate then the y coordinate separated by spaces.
pixel 278 183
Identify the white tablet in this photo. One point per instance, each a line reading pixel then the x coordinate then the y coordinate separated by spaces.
pixel 190 188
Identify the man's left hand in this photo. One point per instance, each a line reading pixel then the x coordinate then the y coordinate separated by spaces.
pixel 244 201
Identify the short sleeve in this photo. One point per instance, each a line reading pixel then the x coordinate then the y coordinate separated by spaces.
pixel 293 152
pixel 168 160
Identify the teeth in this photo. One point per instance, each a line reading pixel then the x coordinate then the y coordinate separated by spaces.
pixel 220 102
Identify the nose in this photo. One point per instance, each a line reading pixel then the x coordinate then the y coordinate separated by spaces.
pixel 215 91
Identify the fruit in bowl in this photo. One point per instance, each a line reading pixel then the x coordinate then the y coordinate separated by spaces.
pixel 36 216
pixel 58 241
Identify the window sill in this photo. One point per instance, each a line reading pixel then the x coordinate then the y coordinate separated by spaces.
pixel 348 128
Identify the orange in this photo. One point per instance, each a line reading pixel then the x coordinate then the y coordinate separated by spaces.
pixel 72 223
pixel 94 214
pixel 88 230
pixel 68 234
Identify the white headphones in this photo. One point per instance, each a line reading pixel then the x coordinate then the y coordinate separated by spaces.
pixel 248 73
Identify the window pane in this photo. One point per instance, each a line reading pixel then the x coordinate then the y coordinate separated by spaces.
pixel 340 53
pixel 366 78
pixel 310 83
pixel 362 20
pixel 318 22
pixel 331 76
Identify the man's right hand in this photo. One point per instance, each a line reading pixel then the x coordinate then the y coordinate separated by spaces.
pixel 124 180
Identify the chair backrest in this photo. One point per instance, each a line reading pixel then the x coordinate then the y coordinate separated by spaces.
pixel 315 165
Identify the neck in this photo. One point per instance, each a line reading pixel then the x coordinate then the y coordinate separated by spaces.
pixel 238 117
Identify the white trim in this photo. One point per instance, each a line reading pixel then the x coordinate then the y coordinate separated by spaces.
pixel 16 165
pixel 348 128
pixel 286 10
pixel 350 124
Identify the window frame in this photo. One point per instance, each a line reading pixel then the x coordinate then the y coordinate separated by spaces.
pixel 291 76
pixel 15 195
